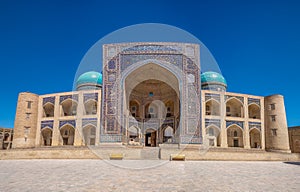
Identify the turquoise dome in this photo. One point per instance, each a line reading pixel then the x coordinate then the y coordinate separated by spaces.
pixel 212 77
pixel 91 77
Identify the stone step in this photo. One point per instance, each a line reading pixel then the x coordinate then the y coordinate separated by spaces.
pixel 235 149
pixel 150 153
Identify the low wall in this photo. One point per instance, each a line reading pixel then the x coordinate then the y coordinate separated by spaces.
pixel 137 153
pixel 68 153
pixel 194 154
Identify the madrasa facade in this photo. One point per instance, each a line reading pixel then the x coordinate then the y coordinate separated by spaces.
pixel 151 94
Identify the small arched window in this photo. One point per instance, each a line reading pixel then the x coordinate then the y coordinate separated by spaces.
pixel 235 134
pixel 228 109
pixel 66 132
pixel 207 108
pixel 211 132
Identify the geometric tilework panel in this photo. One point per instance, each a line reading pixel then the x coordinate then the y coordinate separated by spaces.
pixel 134 122
pixel 212 96
pixel 168 122
pixel 65 97
pixel 215 122
pixel 239 123
pixel 70 122
pixel 252 100
pixel 237 97
pixel 255 125
pixel 49 100
pixel 151 48
pixel 127 60
pixel 48 124
pixel 88 96
pixel 92 121
pixel 152 123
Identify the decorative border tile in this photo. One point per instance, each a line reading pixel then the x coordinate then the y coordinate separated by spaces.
pixel 239 123
pixel 65 97
pixel 47 124
pixel 70 122
pixel 49 100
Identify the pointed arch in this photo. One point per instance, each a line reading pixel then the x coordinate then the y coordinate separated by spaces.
pixel 213 135
pixel 134 108
pixel 213 99
pixel 90 107
pixel 134 131
pixel 48 109
pixel 67 133
pixel 234 98
pixel 46 136
pixel 212 126
pixel 234 107
pixel 151 110
pixel 68 100
pixel 134 134
pixel 69 107
pixel 255 137
pixel 254 128
pixel 235 136
pixel 170 107
pixel 167 134
pixel 89 134
pixel 212 107
pixel 254 111
pixel 236 125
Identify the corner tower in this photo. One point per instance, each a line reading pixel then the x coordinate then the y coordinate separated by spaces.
pixel 26 121
pixel 276 129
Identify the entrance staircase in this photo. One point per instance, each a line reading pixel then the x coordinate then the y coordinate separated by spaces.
pixel 152 153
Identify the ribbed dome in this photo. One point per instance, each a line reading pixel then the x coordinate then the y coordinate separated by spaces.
pixel 91 80
pixel 212 77
pixel 91 77
pixel 213 81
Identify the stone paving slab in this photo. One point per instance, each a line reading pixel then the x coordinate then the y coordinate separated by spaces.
pixel 149 175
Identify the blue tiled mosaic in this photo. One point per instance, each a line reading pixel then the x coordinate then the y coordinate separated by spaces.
pixel 65 97
pixel 215 122
pixel 92 121
pixel 237 97
pixel 253 100
pixel 255 125
pixel 88 96
pixel 212 96
pixel 134 122
pixel 152 48
pixel 127 60
pixel 49 100
pixel 151 123
pixel 70 122
pixel 47 124
pixel 239 123
pixel 112 64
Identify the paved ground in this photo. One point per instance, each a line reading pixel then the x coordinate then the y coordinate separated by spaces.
pixel 97 175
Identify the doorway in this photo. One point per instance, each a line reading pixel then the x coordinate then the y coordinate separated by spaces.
pixel 235 143
pixel 150 139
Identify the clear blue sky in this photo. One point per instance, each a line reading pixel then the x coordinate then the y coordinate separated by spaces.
pixel 43 42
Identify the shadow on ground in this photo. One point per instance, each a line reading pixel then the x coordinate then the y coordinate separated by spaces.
pixel 293 163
